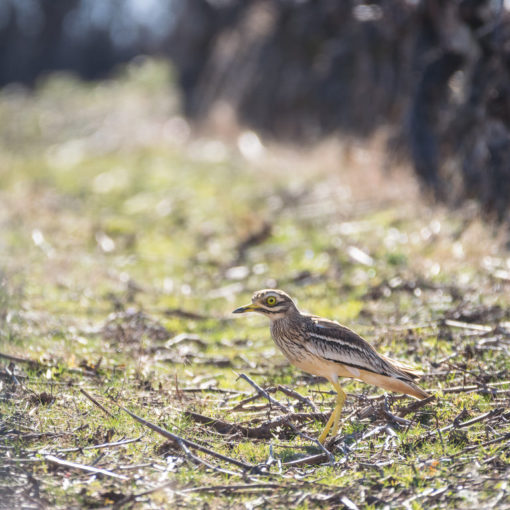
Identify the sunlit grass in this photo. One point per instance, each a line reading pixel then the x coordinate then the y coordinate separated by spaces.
pixel 109 211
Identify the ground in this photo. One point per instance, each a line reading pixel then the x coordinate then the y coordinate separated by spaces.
pixel 127 239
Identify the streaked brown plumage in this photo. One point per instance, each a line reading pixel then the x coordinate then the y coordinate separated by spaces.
pixel 328 349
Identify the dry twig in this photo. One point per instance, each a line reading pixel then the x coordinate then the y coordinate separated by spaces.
pixel 94 401
pixel 264 431
pixel 179 440
pixel 100 446
pixel 84 467
pixel 298 432
pixel 264 393
pixel 291 393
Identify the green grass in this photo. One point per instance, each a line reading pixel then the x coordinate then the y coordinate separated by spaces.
pixel 116 228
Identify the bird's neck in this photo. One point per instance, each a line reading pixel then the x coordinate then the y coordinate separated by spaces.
pixel 288 316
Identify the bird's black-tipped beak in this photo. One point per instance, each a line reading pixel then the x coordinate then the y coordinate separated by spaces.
pixel 247 308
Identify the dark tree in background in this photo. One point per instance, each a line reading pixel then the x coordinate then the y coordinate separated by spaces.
pixel 435 73
pixel 88 37
pixel 460 111
pixel 298 69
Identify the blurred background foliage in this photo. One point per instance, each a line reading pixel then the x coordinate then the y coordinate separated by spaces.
pixel 433 73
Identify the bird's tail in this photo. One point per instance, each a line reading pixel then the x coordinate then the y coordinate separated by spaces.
pixel 399 386
pixel 414 390
pixel 402 381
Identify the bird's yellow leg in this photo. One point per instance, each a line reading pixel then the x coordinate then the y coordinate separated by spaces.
pixel 334 419
pixel 340 400
pixel 324 433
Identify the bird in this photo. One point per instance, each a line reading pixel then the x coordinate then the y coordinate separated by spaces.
pixel 326 348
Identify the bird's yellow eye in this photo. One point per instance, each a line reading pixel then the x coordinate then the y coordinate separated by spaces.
pixel 271 301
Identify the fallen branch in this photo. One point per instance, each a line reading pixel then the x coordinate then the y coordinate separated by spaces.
pixel 240 405
pixel 83 467
pixel 397 420
pixel 298 396
pixel 211 390
pixel 18 359
pixel 415 406
pixel 236 488
pixel 463 389
pixel 313 460
pixel 185 314
pixel 94 401
pixel 467 325
pixel 504 437
pixel 264 393
pixel 220 426
pixel 298 432
pixel 35 363
pixel 366 435
pixel 179 440
pixel 39 435
pixel 264 431
pixel 198 460
pixel 100 446
pixel 283 389
pixel 490 414
pixel 454 425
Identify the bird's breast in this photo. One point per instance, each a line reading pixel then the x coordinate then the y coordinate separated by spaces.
pixel 291 341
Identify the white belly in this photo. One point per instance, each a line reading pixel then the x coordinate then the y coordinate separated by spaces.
pixel 317 366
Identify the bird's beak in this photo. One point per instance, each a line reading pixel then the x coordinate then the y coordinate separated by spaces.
pixel 247 308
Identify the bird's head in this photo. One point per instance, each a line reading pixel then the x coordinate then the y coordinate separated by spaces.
pixel 272 303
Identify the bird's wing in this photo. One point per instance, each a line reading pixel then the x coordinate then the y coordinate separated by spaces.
pixel 334 342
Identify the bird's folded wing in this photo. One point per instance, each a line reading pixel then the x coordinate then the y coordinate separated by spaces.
pixel 334 342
